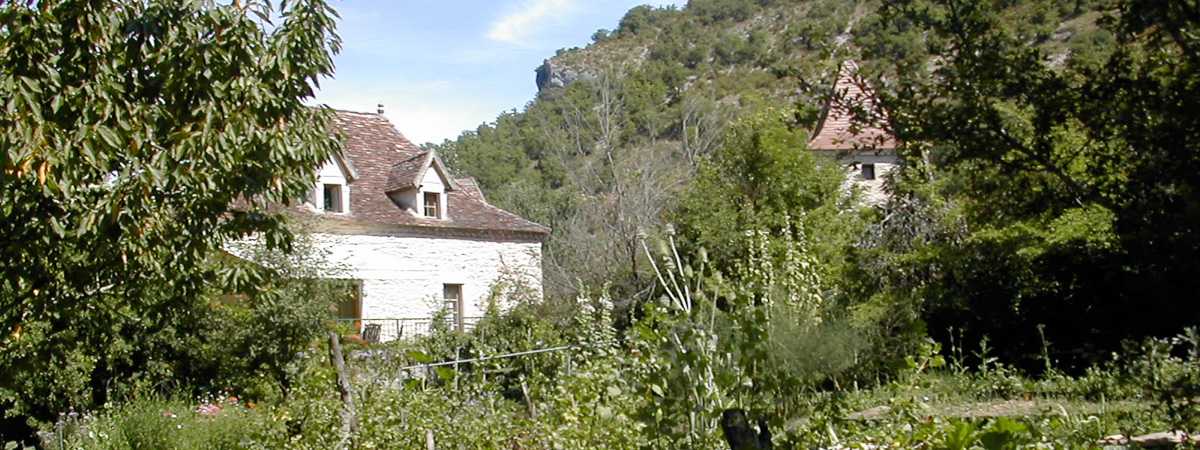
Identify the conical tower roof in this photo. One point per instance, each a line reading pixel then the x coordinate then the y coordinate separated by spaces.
pixel 838 130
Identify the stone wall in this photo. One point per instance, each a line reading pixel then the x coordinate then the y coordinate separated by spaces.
pixel 403 276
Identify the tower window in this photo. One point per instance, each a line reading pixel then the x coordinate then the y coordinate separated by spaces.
pixel 868 171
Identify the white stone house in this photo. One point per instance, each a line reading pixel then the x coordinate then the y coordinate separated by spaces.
pixel 867 151
pixel 412 238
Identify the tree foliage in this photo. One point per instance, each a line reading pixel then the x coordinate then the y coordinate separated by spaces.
pixel 609 152
pixel 1075 181
pixel 130 131
pixel 765 178
pixel 255 329
pixel 985 232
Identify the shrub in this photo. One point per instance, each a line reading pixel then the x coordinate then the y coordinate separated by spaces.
pixel 1169 371
pixel 257 326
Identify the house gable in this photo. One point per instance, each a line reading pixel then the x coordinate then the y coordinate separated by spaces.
pixel 420 185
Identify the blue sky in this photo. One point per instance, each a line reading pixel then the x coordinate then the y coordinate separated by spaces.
pixel 440 67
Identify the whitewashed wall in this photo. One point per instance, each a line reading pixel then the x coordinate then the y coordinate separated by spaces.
pixel 402 276
pixel 871 190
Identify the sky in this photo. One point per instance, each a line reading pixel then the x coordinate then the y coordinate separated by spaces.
pixel 443 66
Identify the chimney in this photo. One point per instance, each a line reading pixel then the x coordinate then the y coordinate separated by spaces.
pixel 379 108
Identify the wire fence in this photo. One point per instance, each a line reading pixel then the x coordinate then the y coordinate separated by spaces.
pixel 395 328
pixel 487 357
pixel 391 328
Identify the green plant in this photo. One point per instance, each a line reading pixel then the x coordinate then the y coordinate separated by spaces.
pixel 688 376
pixel 594 403
pixel 1169 372
pixel 281 302
pixel 1057 169
pixel 750 342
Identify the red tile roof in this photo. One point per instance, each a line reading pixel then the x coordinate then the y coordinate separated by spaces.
pixel 405 174
pixel 470 188
pixel 384 159
pixel 839 131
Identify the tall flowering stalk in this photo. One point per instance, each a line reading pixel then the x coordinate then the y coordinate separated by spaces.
pixel 688 373
pixel 709 340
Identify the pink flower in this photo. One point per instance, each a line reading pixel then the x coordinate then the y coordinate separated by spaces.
pixel 208 409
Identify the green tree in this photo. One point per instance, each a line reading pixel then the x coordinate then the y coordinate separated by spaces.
pixel 765 178
pixel 283 300
pixel 130 130
pixel 1076 183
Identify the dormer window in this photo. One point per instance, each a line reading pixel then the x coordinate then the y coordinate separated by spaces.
pixel 433 205
pixel 332 198
pixel 420 184
pixel 331 193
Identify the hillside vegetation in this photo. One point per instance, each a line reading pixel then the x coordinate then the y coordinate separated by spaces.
pixel 622 127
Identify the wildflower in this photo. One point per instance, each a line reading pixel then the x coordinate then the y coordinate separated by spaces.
pixel 208 409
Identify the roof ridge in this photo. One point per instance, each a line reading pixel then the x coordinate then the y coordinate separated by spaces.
pixel 353 112
pixel 420 154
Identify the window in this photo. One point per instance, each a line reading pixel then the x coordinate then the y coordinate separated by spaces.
pixel 333 198
pixel 433 204
pixel 453 302
pixel 868 171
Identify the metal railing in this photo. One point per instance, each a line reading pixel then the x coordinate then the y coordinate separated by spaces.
pixel 392 328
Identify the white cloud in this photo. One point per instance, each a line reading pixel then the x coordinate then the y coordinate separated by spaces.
pixel 515 27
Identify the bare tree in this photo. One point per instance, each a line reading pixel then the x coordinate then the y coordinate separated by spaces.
pixel 702 124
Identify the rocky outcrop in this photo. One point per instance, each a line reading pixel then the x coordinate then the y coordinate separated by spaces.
pixel 552 74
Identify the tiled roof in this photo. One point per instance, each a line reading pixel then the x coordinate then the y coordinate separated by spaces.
pixel 405 174
pixel 470 188
pixel 838 131
pixel 383 158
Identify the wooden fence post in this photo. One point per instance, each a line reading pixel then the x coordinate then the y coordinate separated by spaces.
pixel 349 422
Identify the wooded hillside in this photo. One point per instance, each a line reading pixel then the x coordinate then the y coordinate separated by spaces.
pixel 621 127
